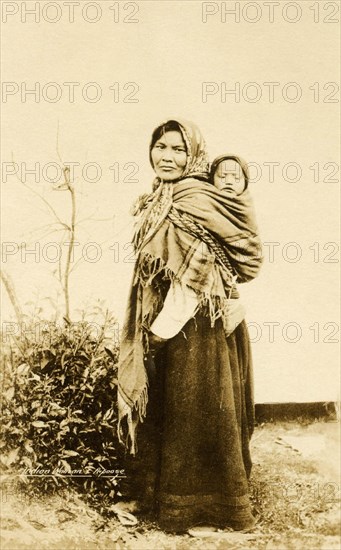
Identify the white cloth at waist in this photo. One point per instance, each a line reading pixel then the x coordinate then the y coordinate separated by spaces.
pixel 179 306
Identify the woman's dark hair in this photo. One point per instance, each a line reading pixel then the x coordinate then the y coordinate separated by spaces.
pixel 170 126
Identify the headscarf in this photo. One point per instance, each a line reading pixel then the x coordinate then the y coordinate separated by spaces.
pixel 242 163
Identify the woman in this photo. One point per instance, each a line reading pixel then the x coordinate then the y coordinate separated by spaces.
pixel 185 389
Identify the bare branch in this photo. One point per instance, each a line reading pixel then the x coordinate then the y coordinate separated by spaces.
pixel 95 219
pixel 71 244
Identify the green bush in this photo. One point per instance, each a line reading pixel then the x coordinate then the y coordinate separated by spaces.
pixel 59 413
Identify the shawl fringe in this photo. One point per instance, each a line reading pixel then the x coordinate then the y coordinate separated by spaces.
pixel 216 306
pixel 132 414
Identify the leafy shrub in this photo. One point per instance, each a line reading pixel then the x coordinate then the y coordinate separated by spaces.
pixel 59 414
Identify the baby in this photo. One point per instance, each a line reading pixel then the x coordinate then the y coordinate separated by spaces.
pixel 230 173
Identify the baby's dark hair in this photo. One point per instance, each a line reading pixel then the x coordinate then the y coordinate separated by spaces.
pixel 169 126
pixel 242 163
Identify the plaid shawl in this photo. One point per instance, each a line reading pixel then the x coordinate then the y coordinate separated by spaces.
pixel 165 250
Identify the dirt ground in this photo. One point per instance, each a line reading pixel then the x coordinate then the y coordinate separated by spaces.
pixel 295 491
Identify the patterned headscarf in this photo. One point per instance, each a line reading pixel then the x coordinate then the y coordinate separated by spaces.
pixel 242 163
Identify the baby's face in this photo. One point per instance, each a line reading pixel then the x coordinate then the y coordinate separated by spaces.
pixel 229 177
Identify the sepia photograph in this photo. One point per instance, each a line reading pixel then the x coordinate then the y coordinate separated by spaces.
pixel 170 275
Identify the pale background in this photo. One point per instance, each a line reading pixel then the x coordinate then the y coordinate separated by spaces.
pixel 169 53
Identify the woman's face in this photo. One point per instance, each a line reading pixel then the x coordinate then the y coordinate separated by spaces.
pixel 169 156
pixel 229 177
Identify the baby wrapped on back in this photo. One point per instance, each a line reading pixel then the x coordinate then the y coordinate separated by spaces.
pixel 230 174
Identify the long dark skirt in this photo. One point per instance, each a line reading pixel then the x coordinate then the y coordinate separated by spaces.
pixel 193 458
